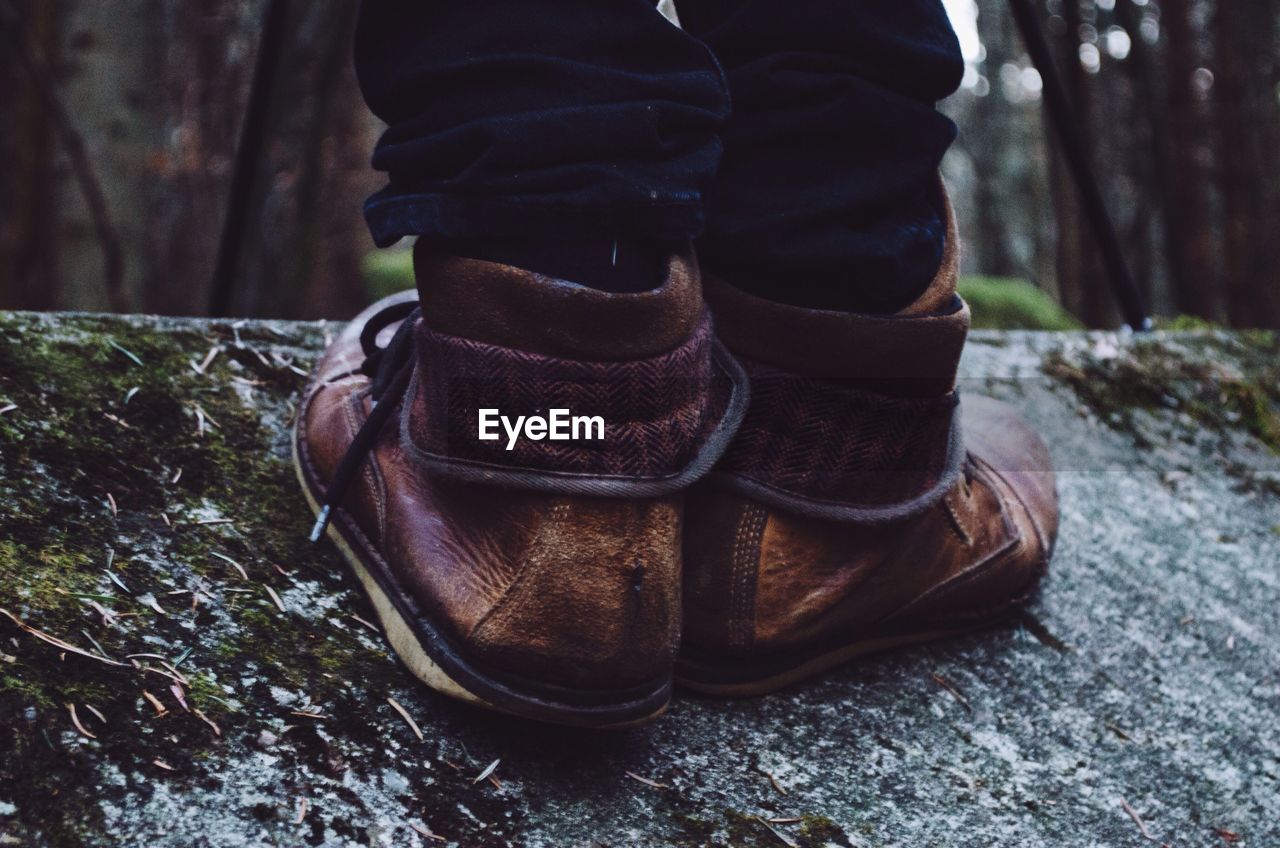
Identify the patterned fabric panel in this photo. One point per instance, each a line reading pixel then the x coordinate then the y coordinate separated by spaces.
pixel 657 412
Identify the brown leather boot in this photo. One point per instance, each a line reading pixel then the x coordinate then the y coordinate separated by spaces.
pixel 540 578
pixel 861 506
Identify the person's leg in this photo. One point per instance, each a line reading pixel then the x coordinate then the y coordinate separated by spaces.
pixel 854 510
pixel 570 137
pixel 526 565
pixel 828 195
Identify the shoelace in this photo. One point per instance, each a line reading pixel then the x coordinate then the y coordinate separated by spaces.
pixel 390 368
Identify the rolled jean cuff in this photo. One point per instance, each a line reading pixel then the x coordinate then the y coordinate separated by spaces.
pixel 393 215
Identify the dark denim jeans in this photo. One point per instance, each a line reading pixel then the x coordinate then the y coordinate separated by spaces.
pixel 798 140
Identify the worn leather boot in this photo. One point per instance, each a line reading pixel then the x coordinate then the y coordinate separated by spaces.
pixel 861 506
pixel 542 577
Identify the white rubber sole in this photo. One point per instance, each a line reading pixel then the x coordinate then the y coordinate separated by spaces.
pixel 399 634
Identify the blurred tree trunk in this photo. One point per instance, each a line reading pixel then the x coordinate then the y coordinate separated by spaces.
pixel 993 129
pixel 204 67
pixel 1146 138
pixel 1247 115
pixel 1183 161
pixel 28 257
pixel 306 236
pixel 157 90
pixel 1082 282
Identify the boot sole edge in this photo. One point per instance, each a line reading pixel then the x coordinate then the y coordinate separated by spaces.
pixel 498 697
pixel 731 677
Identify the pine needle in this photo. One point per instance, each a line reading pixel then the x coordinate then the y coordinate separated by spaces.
pixel 200 715
pixel 954 692
pixel 1142 826
pixel 782 837
pixel 368 624
pixel 132 356
pixel 279 603
pixel 422 831
pixel 238 567
pixel 75 719
pixel 53 640
pixel 646 781
pixel 488 771
pixel 160 708
pixel 413 725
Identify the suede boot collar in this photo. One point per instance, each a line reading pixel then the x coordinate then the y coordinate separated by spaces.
pixel 520 345
pixel 513 308
pixel 852 417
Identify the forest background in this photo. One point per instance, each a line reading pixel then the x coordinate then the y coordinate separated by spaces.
pixel 120 122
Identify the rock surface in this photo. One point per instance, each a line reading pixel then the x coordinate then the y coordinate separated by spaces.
pixel 148 508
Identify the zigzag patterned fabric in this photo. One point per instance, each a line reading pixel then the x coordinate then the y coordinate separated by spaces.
pixel 836 444
pixel 657 412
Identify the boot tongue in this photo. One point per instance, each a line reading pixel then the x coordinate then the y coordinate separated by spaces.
pixel 514 308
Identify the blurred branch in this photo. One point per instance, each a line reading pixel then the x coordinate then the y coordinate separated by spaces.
pixel 253 136
pixel 81 166
pixel 1077 156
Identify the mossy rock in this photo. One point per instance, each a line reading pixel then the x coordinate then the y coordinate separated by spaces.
pixel 145 461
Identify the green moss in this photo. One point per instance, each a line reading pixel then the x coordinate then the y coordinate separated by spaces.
pixel 1152 375
pixel 387 272
pixel 1184 323
pixel 747 830
pixel 999 303
pixel 91 425
pixel 820 830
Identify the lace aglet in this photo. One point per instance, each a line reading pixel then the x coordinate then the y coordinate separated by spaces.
pixel 322 521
